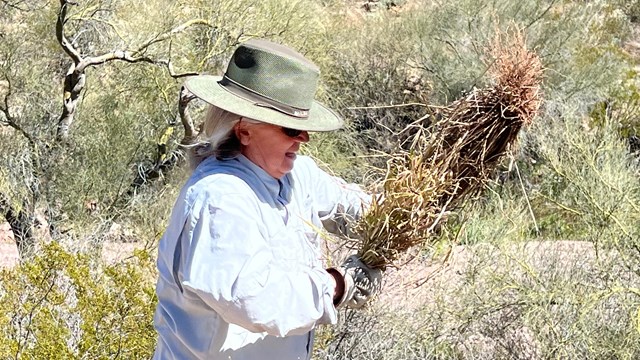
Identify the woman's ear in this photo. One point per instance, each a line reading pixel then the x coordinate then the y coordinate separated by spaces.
pixel 242 133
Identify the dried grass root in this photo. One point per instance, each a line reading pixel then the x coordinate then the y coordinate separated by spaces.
pixel 445 166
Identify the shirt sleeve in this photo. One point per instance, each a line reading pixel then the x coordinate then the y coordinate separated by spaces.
pixel 231 268
pixel 337 202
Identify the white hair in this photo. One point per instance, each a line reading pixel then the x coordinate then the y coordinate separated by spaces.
pixel 217 136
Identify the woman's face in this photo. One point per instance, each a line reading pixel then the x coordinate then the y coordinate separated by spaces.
pixel 269 147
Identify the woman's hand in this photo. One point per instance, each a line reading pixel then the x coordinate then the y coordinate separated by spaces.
pixel 356 283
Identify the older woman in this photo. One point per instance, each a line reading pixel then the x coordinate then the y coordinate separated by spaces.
pixel 241 275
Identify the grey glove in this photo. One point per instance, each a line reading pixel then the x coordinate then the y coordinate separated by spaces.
pixel 360 282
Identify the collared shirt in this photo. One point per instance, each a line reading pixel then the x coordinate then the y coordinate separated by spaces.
pixel 240 270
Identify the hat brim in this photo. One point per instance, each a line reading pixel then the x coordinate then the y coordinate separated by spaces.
pixel 208 88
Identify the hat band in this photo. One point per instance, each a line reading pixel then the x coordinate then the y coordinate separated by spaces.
pixel 260 100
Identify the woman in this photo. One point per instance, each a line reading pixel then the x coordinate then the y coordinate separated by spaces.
pixel 240 267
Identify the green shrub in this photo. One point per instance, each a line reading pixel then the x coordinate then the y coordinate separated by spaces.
pixel 61 305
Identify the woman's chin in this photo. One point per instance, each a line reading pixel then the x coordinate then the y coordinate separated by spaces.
pixel 287 163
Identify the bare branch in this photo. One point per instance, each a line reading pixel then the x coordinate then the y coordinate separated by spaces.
pixel 15 4
pixel 189 129
pixel 64 42
pixel 169 66
pixel 115 55
pixel 76 77
pixel 9 118
pixel 172 72
pixel 178 29
pixel 136 55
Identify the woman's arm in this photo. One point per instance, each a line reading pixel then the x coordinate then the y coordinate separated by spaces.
pixel 230 266
pixel 336 201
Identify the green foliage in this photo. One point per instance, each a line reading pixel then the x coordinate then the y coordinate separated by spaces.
pixel 61 305
pixel 590 177
pixel 337 155
pixel 621 107
pixel 378 334
pixel 370 78
pixel 502 212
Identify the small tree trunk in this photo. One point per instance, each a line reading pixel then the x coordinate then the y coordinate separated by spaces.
pixel 74 83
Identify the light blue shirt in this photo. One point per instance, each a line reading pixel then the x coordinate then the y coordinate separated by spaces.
pixel 241 274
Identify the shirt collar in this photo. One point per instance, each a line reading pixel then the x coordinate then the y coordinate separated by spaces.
pixel 253 174
pixel 271 183
pixel 281 188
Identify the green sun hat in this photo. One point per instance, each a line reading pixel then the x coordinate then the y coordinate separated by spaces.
pixel 271 83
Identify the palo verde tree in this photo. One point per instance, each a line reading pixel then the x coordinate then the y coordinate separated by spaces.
pixel 90 98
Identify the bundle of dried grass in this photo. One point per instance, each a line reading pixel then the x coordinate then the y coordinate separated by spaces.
pixel 444 167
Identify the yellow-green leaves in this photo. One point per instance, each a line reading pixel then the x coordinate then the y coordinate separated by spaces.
pixel 61 305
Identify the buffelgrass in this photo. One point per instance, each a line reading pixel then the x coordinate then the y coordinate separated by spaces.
pixel 445 166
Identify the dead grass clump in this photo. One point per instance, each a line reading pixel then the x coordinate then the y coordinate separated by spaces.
pixel 445 166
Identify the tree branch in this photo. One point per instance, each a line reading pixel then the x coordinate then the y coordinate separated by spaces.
pixel 9 119
pixel 76 77
pixel 169 66
pixel 115 55
pixel 189 129
pixel 14 5
pixel 172 72
pixel 167 159
pixel 136 56
pixel 164 36
pixel 20 222
pixel 64 42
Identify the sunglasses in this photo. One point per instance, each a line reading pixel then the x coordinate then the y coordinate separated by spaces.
pixel 291 132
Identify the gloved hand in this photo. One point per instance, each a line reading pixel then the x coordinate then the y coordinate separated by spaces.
pixel 360 282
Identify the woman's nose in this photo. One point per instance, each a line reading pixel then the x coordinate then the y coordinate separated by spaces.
pixel 303 137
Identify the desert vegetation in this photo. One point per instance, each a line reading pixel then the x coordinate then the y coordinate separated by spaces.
pixel 544 263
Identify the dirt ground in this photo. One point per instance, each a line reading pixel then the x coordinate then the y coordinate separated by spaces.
pixel 112 251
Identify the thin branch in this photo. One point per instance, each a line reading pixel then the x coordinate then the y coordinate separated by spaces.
pixel 102 21
pixel 172 72
pixel 135 55
pixel 93 10
pixel 116 55
pixel 9 119
pixel 189 129
pixel 169 65
pixel 64 42
pixel 164 36
pixel 14 5
pixel 213 54
pixel 542 14
pixel 526 196
pixel 391 106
